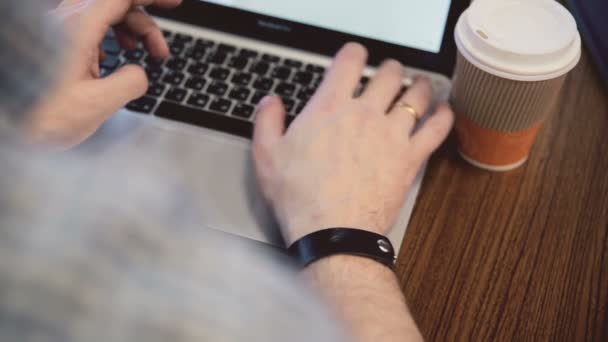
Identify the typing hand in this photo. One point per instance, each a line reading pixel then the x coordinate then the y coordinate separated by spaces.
pixel 83 101
pixel 345 161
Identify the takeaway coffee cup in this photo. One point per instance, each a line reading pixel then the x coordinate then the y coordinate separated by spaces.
pixel 513 57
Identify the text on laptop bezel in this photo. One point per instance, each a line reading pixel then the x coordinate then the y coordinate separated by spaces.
pixel 314 39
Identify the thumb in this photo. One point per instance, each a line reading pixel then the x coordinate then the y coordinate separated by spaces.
pixel 121 87
pixel 269 123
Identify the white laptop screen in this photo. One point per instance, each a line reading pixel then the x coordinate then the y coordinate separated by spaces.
pixel 411 23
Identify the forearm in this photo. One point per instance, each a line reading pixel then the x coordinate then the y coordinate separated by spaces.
pixel 367 297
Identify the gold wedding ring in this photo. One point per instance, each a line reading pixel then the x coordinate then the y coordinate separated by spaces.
pixel 408 108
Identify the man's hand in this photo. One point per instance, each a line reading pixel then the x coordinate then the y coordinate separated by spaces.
pixel 83 100
pixel 349 162
pixel 345 161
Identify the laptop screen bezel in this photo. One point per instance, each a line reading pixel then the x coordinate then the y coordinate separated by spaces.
pixel 315 39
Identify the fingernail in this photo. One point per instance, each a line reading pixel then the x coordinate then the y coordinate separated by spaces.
pixel 265 101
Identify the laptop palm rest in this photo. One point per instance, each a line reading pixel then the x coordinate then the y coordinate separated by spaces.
pixel 208 177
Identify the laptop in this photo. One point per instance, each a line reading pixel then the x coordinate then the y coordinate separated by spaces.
pixel 228 54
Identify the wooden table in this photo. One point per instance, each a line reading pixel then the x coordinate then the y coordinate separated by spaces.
pixel 521 255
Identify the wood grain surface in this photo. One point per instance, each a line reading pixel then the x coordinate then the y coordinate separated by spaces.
pixel 523 255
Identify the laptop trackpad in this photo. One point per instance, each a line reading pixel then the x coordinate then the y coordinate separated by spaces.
pixel 208 177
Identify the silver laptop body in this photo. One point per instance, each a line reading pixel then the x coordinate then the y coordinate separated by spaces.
pixel 216 166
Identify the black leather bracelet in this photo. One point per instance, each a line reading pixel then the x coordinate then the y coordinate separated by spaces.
pixel 349 241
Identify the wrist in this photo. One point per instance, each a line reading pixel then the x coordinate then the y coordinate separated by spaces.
pixel 296 228
pixel 303 223
pixel 348 273
pixel 349 264
pixel 343 241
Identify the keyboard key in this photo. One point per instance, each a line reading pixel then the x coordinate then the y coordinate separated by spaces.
pixel 240 94
pixel 289 104
pixel 176 63
pixel 142 105
pixel 220 74
pixel 183 38
pixel 134 55
pixel 243 111
pixel 257 97
pixel 156 89
pixel 217 58
pixel 110 62
pixel 103 72
pixel 281 73
pixel 260 68
pixel 198 100
pixel 127 62
pixel 196 53
pixel 174 78
pixel 289 119
pixel 206 43
pixel 303 77
pixel 305 93
pixel 198 69
pixel 176 48
pixel 316 83
pixel 196 83
pixel 241 78
pixel 285 89
pixel 217 88
pixel 238 63
pixel 176 94
pixel 263 83
pixel 270 58
pixel 226 48
pixel 111 46
pixel 292 63
pixel 154 62
pixel 154 73
pixel 167 34
pixel 220 105
pixel 317 69
pixel 205 119
pixel 246 53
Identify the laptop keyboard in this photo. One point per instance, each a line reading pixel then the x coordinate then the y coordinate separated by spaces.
pixel 213 84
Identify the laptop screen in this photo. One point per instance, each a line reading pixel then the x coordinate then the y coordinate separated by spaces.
pixel 411 23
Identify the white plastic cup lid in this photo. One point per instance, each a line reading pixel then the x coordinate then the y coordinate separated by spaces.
pixel 526 40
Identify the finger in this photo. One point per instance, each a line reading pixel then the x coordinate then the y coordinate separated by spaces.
pixel 344 75
pixel 433 132
pixel 119 88
pixel 141 25
pixel 125 39
pixel 419 97
pixel 102 54
pixel 112 11
pixel 269 123
pixel 101 15
pixel 385 85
